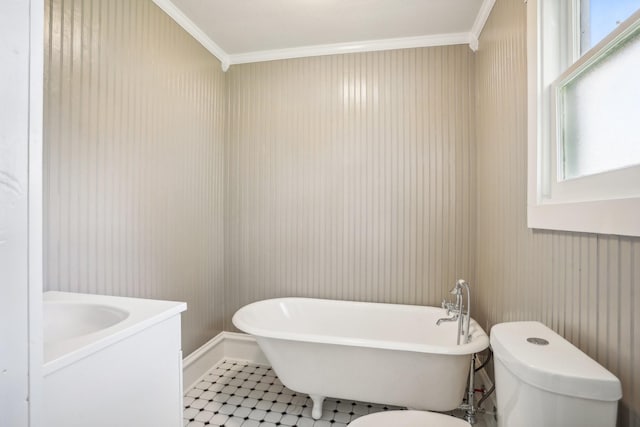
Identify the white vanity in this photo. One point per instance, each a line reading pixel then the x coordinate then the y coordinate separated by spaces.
pixel 111 361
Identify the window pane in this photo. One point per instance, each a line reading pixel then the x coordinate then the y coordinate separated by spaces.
pixel 601 17
pixel 601 114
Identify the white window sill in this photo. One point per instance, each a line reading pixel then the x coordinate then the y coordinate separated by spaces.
pixel 621 216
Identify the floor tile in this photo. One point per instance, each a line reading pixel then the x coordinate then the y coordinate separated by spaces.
pixel 241 394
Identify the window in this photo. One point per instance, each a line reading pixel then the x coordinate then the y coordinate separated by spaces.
pixel 599 18
pixel 584 115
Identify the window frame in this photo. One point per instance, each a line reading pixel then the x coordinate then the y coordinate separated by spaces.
pixel 549 54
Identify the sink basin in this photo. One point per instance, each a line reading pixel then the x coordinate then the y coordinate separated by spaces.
pixel 110 361
pixel 65 320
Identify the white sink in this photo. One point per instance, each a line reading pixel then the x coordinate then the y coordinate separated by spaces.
pixel 65 320
pixel 111 361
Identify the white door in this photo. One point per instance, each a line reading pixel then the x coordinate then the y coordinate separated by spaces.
pixel 21 59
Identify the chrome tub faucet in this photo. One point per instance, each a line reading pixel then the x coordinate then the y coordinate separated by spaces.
pixel 457 310
pixel 458 313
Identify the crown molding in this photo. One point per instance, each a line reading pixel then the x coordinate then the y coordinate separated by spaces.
pixel 481 20
pixel 190 27
pixel 226 60
pixel 353 47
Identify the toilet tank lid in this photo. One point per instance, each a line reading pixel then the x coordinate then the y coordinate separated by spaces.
pixel 558 366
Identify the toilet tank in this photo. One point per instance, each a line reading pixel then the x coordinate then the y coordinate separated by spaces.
pixel 543 380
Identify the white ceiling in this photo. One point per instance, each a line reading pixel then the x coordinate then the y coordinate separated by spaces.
pixel 239 31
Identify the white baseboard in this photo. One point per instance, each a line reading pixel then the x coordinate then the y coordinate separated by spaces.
pixel 244 347
pixel 198 363
pixel 225 345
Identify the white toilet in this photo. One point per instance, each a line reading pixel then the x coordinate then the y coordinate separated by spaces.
pixel 541 380
pixel 408 419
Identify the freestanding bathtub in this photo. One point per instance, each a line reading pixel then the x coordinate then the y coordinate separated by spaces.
pixel 381 353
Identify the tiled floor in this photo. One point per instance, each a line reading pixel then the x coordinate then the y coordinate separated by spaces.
pixel 241 394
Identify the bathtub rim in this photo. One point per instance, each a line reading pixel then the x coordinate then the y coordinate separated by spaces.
pixel 479 338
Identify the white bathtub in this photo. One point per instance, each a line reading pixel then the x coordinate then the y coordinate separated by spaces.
pixel 381 353
pixel 111 361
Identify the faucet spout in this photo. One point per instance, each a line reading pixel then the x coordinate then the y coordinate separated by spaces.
pixel 447 319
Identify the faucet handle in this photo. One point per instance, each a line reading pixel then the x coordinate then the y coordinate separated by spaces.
pixel 449 306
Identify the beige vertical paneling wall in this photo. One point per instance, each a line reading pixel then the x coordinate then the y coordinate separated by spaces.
pixel 584 286
pixel 350 177
pixel 134 129
pixel 377 176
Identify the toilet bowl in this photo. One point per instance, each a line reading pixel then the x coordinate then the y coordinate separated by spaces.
pixel 541 380
pixel 408 419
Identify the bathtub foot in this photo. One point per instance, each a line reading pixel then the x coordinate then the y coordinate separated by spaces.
pixel 316 413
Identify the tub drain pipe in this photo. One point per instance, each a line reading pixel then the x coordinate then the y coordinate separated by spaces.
pixel 470 415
